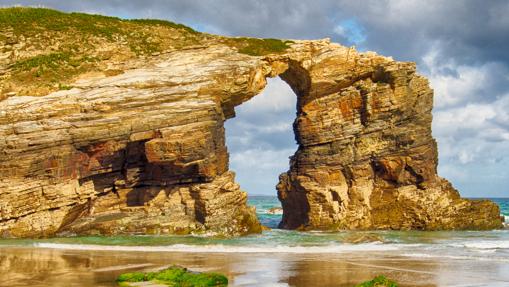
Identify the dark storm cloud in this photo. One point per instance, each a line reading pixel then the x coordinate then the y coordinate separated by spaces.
pixel 468 31
pixel 461 46
pixel 255 18
pixel 465 32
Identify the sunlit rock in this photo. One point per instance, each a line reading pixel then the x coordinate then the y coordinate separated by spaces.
pixel 144 151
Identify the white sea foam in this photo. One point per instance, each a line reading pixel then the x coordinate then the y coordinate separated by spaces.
pixel 273 211
pixel 484 244
pixel 499 244
pixel 454 257
pixel 218 248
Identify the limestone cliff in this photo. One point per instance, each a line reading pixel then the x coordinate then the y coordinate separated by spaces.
pixel 142 149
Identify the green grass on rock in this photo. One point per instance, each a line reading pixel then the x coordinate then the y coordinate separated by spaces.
pixel 259 47
pixel 379 281
pixel 49 49
pixel 175 276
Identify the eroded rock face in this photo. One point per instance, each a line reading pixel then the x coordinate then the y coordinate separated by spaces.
pixel 144 151
pixel 141 152
pixel 366 157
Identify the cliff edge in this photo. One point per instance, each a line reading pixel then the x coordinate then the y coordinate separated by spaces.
pixel 112 126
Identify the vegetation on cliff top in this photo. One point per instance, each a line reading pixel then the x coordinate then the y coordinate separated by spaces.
pixel 259 47
pixel 175 276
pixel 42 50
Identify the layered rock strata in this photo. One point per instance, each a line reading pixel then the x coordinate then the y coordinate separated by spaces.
pixel 366 156
pixel 144 151
pixel 141 152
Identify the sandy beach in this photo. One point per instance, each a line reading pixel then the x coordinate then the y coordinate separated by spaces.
pixel 31 266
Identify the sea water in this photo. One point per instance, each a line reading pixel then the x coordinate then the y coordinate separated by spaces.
pixel 274 258
pixel 478 245
pixel 504 207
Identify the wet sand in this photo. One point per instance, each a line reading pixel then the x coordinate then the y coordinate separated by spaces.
pixel 29 266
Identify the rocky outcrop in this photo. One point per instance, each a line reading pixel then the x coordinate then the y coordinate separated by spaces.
pixel 144 151
pixel 140 152
pixel 366 156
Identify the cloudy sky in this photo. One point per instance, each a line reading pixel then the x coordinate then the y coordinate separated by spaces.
pixel 461 46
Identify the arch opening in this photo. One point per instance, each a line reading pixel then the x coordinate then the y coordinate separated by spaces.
pixel 260 140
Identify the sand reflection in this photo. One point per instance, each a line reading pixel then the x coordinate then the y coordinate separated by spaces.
pixel 48 267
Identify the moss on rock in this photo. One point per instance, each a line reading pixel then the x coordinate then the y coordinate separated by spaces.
pixel 379 281
pixel 174 276
pixel 259 47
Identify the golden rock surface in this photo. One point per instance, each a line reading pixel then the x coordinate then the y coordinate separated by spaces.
pixel 144 151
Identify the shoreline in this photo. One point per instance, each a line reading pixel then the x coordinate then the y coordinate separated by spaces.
pixel 274 258
pixel 33 266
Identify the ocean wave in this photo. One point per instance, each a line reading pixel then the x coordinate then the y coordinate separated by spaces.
pixel 484 244
pixel 270 211
pixel 455 257
pixel 219 248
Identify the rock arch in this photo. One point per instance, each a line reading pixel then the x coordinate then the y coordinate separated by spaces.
pixel 144 151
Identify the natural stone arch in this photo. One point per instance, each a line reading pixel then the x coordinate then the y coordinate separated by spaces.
pixel 366 156
pixel 144 151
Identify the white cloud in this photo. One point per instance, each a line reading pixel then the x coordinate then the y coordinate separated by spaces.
pixel 452 171
pixel 275 127
pixel 402 12
pixel 471 133
pixel 456 84
pixel 502 111
pixel 465 156
pixel 266 159
pixel 260 138
pixel 276 97
pixel 472 116
pixel 340 30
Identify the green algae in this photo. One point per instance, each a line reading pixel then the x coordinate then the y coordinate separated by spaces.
pixel 379 281
pixel 175 276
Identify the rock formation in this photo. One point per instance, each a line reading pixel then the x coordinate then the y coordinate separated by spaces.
pixel 366 156
pixel 140 152
pixel 144 151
